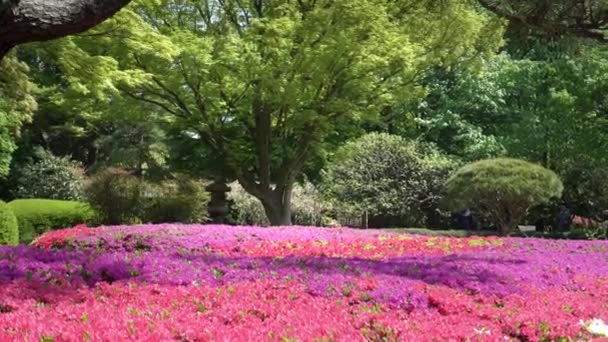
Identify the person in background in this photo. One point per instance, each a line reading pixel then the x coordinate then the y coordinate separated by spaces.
pixel 563 219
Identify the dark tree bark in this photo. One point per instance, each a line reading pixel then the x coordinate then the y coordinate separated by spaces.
pixel 278 206
pixel 555 18
pixel 23 21
pixel 275 200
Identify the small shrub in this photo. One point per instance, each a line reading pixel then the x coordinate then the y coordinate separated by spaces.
pixel 122 198
pixel 503 189
pixel 180 200
pixel 244 208
pixel 48 176
pixel 9 230
pixel 118 196
pixel 37 216
pixel 308 206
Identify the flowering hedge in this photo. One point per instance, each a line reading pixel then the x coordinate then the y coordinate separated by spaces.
pixel 197 283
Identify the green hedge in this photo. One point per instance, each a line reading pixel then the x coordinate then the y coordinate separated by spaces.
pixel 37 216
pixel 9 231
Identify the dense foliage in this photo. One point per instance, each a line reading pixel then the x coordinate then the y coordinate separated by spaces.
pixel 9 228
pixel 178 200
pixel 38 216
pixel 381 174
pixel 243 81
pixel 263 92
pixel 119 196
pixel 319 113
pixel 47 176
pixel 503 189
pixel 17 104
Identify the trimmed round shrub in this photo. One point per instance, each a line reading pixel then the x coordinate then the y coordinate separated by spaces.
pixel 48 176
pixel 9 229
pixel 395 181
pixel 37 216
pixel 502 189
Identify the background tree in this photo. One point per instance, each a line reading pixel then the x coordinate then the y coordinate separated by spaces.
pixel 262 85
pixel 17 105
pixel 503 189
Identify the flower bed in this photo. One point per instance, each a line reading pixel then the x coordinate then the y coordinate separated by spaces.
pixel 199 283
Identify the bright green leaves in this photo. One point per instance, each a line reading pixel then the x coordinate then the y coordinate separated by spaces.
pixel 17 105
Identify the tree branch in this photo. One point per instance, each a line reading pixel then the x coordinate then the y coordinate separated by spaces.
pixel 23 21
pixel 579 18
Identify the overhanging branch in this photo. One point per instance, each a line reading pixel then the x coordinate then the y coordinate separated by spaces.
pixel 23 21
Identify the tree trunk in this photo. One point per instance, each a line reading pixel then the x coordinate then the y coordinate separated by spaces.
pixel 277 205
pixel 24 21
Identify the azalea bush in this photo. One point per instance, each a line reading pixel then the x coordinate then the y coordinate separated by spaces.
pixel 197 282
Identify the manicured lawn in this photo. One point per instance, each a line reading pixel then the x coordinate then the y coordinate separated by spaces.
pixel 201 283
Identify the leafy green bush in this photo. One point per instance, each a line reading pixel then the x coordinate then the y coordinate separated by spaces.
pixel 9 229
pixel 118 196
pixel 37 216
pixel 180 200
pixel 121 198
pixel 387 176
pixel 503 189
pixel 48 176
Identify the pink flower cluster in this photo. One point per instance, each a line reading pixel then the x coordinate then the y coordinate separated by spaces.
pixel 360 247
pixel 58 238
pixel 208 283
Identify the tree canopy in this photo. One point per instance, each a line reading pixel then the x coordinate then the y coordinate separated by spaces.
pixel 260 86
pixel 266 92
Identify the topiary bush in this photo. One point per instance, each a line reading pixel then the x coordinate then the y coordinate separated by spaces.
pixel 389 179
pixel 503 189
pixel 37 216
pixel 48 176
pixel 9 229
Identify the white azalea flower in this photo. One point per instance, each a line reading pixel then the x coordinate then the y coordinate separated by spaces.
pixel 482 331
pixel 596 327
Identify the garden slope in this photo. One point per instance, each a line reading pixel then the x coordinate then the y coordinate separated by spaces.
pixel 196 282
